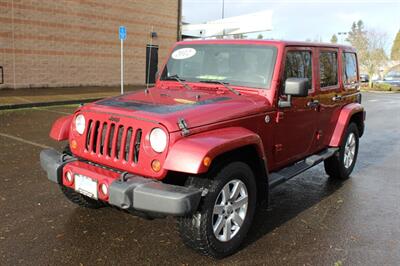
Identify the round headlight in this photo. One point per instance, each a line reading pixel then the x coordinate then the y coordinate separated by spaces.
pixel 80 124
pixel 158 140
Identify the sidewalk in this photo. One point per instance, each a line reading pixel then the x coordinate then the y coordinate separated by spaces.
pixel 31 97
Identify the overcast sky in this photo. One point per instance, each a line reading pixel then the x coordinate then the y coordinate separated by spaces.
pixel 300 19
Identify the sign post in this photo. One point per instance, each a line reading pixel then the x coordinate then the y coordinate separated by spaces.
pixel 122 37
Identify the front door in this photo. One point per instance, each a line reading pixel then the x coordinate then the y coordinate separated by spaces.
pixel 296 125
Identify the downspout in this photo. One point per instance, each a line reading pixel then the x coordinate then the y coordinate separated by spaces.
pixel 178 33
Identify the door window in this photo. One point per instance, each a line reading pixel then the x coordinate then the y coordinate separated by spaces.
pixel 349 68
pixel 298 65
pixel 328 69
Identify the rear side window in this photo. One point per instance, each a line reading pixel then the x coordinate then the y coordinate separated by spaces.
pixel 349 68
pixel 328 69
pixel 298 65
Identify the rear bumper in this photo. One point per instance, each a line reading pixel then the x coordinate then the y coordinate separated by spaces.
pixel 135 193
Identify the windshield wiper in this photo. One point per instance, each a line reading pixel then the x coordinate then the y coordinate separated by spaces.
pixel 225 84
pixel 181 81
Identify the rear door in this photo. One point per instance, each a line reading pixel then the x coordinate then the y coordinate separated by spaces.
pixel 296 127
pixel 330 91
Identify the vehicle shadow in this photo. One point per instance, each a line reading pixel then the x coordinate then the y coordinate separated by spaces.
pixel 290 199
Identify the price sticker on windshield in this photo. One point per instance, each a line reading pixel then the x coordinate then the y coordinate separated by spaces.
pixel 183 53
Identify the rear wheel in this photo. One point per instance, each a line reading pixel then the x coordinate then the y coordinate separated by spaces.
pixel 225 214
pixel 342 164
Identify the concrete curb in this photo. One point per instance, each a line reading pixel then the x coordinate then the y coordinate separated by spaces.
pixel 387 92
pixel 41 104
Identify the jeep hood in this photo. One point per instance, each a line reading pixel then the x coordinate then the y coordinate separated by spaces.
pixel 198 107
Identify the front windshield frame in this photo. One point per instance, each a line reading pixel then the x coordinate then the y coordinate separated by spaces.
pixel 266 79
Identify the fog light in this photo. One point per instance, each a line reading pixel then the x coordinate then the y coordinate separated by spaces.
pixel 104 189
pixel 69 178
pixel 156 165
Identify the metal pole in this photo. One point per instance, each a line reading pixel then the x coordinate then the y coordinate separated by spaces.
pixel 223 9
pixel 122 66
pixel 223 16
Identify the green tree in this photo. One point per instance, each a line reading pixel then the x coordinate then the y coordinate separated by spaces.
pixel 395 54
pixel 334 39
pixel 370 45
pixel 260 36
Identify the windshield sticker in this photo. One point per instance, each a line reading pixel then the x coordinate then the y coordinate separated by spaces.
pixel 212 77
pixel 183 53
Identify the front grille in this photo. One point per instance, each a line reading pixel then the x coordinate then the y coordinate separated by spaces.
pixel 116 141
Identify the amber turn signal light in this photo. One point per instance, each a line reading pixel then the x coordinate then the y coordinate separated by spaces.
pixel 74 144
pixel 156 165
pixel 207 161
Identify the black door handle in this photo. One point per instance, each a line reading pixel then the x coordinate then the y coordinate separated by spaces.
pixel 337 98
pixel 313 104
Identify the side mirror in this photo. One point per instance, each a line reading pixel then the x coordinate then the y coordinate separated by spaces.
pixel 297 87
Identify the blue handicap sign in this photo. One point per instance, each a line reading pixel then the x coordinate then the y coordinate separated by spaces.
pixel 122 33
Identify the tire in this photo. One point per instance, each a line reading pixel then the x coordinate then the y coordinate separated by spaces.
pixel 336 166
pixel 197 230
pixel 80 199
pixel 76 197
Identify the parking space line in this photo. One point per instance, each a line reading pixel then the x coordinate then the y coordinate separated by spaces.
pixel 51 111
pixel 22 99
pixel 24 141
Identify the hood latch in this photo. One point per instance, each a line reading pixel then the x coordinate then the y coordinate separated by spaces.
pixel 183 126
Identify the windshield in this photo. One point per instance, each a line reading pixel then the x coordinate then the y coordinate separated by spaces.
pixel 393 74
pixel 240 65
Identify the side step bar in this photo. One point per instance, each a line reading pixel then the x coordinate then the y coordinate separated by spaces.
pixel 289 172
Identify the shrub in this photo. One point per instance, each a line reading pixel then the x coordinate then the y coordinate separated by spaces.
pixel 381 87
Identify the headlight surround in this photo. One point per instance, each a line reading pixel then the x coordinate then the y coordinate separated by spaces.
pixel 80 124
pixel 158 139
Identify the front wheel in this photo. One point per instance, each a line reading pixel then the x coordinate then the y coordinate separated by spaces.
pixel 341 165
pixel 80 199
pixel 225 214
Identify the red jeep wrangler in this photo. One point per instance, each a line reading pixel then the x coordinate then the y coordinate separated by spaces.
pixel 227 121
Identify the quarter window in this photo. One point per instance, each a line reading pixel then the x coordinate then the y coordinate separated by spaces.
pixel 298 65
pixel 328 69
pixel 349 68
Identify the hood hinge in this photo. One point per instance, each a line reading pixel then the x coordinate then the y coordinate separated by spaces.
pixel 183 126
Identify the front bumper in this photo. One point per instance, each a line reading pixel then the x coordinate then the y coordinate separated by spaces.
pixel 132 192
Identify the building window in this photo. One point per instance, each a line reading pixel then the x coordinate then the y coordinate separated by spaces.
pixel 349 68
pixel 328 69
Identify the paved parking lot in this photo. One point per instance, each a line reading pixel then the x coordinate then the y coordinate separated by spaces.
pixel 311 221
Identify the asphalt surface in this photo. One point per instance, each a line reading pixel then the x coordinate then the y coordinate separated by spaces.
pixel 312 220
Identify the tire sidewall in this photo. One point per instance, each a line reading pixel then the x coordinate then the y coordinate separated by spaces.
pixel 352 128
pixel 234 170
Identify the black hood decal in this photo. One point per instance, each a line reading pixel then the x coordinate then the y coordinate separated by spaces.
pixel 156 108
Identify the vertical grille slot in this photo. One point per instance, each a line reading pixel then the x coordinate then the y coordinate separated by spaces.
pixel 119 135
pixel 103 137
pixel 127 143
pixel 88 132
pixel 98 138
pixel 136 148
pixel 110 136
pixel 93 137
